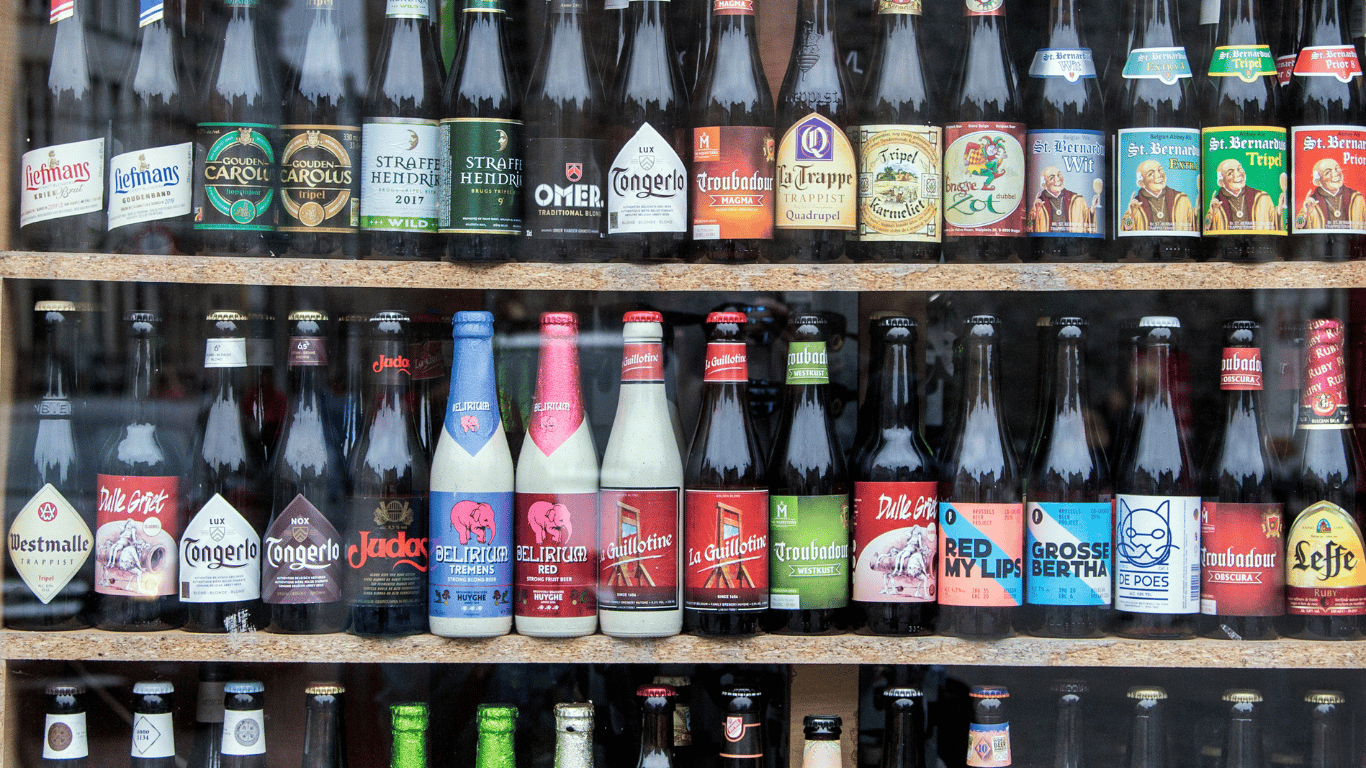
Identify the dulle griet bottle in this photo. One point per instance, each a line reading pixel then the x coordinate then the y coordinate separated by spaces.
pixel 65 744
pixel 153 743
pixel 244 724
pixel 324 726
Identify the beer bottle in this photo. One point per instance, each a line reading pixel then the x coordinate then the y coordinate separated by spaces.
pixel 301 579
pixel 574 735
pixel 822 741
pixel 640 514
pixel 556 571
pixel 410 735
pixel 1327 729
pixel 399 169
pixel 682 719
pixel 896 496
pixel 1068 742
pixel 1148 729
pixel 207 749
pixel 64 736
pixel 903 741
pixel 1288 33
pixel 612 37
pixel 980 500
pixel 324 726
pixel 656 725
pixel 496 723
pixel 726 515
pixel 1045 369
pixel 262 399
pixel 989 729
pixel 1157 506
pixel 472 485
pixel 694 40
pixel 1243 737
pixel 742 731
pixel 244 724
pixel 153 729
pixel 353 386
pixel 808 488
pixel 426 364
pixel 815 157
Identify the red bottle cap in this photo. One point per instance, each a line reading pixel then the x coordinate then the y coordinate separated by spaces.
pixel 727 317
pixel 656 691
pixel 643 317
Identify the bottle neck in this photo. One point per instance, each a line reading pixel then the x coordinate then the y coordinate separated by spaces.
pixel 1238 23
pixel 657 737
pixel 410 749
pixel 322 747
pixel 494 749
pixel 574 749
pixel 392 369
pixel 1147 742
pixel 816 17
pixel 1155 380
pixel 1324 26
pixel 1155 25
pixel 1068 735
pixel 904 747
pixel 1062 23
pixel 649 15
pixel 1069 383
pixel 981 376
pixel 898 401
pixel 1243 747
pixel 1327 738
pixel 142 370
pixel 59 364
pixel 730 24
pixel 898 32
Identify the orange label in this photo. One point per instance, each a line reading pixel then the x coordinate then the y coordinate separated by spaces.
pixel 732 189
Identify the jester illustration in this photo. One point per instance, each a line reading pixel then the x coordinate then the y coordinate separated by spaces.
pixel 984 159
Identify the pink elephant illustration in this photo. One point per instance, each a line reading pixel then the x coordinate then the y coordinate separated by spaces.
pixel 469 422
pixel 550 519
pixel 472 517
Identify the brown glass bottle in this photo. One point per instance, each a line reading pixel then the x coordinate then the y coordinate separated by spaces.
pixel 324 726
pixel 656 724
pixel 903 741
pixel 1243 734
pixel 1328 739
pixel 1148 747
pixel 65 740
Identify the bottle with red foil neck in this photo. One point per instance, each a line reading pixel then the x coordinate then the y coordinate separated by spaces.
pixel 556 509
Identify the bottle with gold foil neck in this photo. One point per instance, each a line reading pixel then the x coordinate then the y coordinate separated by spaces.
pixel 324 726
pixel 574 735
pixel 496 723
pixel 410 736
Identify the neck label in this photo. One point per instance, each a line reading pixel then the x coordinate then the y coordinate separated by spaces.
pixel 910 7
pixel 807 363
pixel 244 733
pixel 1165 64
pixel 1328 178
pixel 732 7
pixel 726 361
pixel 1323 404
pixel 643 362
pixel 405 9
pixel 1241 369
pixel 484 6
pixel 984 8
pixel 307 351
pixel 1338 61
pixel 153 736
pixel 225 353
pixel 61 9
pixel 150 11
pixel 989 745
pixel 1245 62
pixel 1071 64
pixel 472 409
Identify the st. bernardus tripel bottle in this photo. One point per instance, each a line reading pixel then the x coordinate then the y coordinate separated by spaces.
pixel 556 572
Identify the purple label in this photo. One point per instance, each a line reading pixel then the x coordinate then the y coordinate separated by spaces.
pixel 471 562
pixel 815 141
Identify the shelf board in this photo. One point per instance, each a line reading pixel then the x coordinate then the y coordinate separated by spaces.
pixel 680 277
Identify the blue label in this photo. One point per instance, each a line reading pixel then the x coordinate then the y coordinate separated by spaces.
pixel 1157 185
pixel 150 11
pixel 1068 551
pixel 1065 183
pixel 471 555
pixel 472 414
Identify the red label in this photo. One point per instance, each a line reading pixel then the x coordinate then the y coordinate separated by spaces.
pixel 638 548
pixel 643 362
pixel 732 181
pixel 1241 369
pixel 726 541
pixel 61 9
pixel 1328 178
pixel 733 7
pixel 1241 568
pixel 386 551
pixel 896 536
pixel 427 360
pixel 726 361
pixel 981 554
pixel 1324 400
pixel 556 572
pixel 393 366
pixel 1338 61
pixel 1285 68
pixel 137 526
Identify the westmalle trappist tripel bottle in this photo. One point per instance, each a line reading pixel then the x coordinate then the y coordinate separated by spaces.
pixel 65 743
pixel 153 744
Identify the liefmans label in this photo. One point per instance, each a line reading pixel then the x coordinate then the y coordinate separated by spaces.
pixel 137 523
pixel 1245 180
pixel 1071 64
pixel 481 175
pixel 564 179
pixel 726 550
pixel 896 538
pixel 237 177
pixel 399 172
pixel 1245 62
pixel 817 177
pixel 151 184
pixel 1241 573
pixel 386 550
pixel 220 556
pixel 1157 554
pixel 809 558
pixel 302 558
pixel 471 563
pixel 556 571
pixel 1158 182
pixel 638 549
pixel 807 363
pixel 1324 563
pixel 647 186
pixel 48 543
pixel 1328 186
pixel 62 180
pixel 318 187
pixel 732 191
pixel 981 561
pixel 900 183
pixel 1061 162
pixel 1069 553
pixel 984 179
pixel 1165 64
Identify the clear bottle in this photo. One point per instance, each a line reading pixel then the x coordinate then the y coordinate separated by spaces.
pixel 244 724
pixel 409 723
pixel 324 726
pixel 153 744
pixel 65 744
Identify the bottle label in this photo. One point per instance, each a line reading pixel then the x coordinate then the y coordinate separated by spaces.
pixel 817 177
pixel 1165 64
pixel 980 557
pixel 1069 551
pixel 1061 162
pixel 727 550
pixel 386 550
pixel 428 362
pixel 137 523
pixel 615 5
pixel 302 558
pixel 733 170
pixel 810 555
pixel 1325 557
pixel 62 180
pixel 1071 64
pixel 481 174
pixel 1244 172
pixel 638 542
pixel 318 187
pixel 912 7
pixel 1241 369
pixel 984 8
pixel 484 6
pixel 307 351
pixel 393 369
pixel 220 556
pixel 471 576
pixel 565 178
pixel 209 706
pixel 1329 179
pixel 400 173
pixel 244 733
pixel 742 737
pixel 153 736
pixel 682 726
pixel 642 363
pixel 807 363
pixel 1158 182
pixel 1241 573
pixel 151 184
pixel 1157 554
pixel 725 361
pixel 48 543
pixel 472 415
pixel 1338 61
pixel 984 179
pixel 556 572
pixel 821 754
pixel 237 177
pixel 647 188
pixel 555 421
pixel 1323 403
pixel 404 9
pixel 899 182
pixel 988 745
pixel 1245 62
pixel 896 537
pixel 225 353
pixel 65 9
pixel 64 737
pixel 732 7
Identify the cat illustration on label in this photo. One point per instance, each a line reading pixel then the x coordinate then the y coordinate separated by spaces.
pixel 1145 537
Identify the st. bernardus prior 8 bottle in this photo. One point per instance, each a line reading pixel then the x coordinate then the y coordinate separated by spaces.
pixel 385 541
pixel 808 500
pixel 153 742
pixel 220 550
pixel 733 145
pixel 1242 144
pixel 480 153
pixel 556 525
pixel 65 740
pixel 640 585
pixel 469 586
pixel 236 199
pixel 726 507
pixel 1068 547
pixel 647 179
pixel 896 496
pixel 302 549
pixel 1157 501
pixel 1242 578
pixel 984 152
pixel 139 510
pixel 398 168
pixel 244 724
pixel 900 146
pixel 817 172
pixel 981 512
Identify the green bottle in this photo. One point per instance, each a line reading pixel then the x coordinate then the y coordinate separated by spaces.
pixel 496 723
pixel 410 736
pixel 573 735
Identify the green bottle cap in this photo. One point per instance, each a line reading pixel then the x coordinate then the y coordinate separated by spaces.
pixel 409 717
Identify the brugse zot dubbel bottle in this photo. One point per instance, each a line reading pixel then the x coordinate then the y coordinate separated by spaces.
pixel 1325 565
pixel 138 511
pixel 153 743
pixel 236 202
pixel 896 509
pixel 556 524
pixel 1242 579
pixel 65 743
pixel 480 154
pixel 470 582
pixel 989 728
pixel 981 512
pixel 324 726
pixel 1148 746
pixel 302 550
pixel 1243 144
pixel 399 169
pixel 640 589
pixel 726 518
pixel 903 743
pixel 244 724
pixel 900 146
pixel 1157 142
pixel 733 144
pixel 1157 502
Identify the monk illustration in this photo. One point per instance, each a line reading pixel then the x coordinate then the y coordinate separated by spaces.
pixel 1235 205
pixel 1331 204
pixel 1058 209
pixel 1155 207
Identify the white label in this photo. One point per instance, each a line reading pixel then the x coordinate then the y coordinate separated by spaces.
pixel 209 708
pixel 150 184
pixel 647 186
pixel 1068 63
pixel 1157 554
pixel 706 232
pixel 64 737
pixel 220 556
pixel 785 602
pixel 405 9
pixel 225 353
pixel 615 5
pixel 153 736
pixel 244 733
pixel 48 543
pixel 1209 12
pixel 399 173
pixel 62 180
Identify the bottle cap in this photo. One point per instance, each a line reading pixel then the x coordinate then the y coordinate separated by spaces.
pixel 560 318
pixel 496 718
pixel 989 691
pixel 1159 321
pixel 741 692
pixel 244 686
pixel 656 691
pixel 226 316
pixel 1241 325
pixel 324 689
pixel 820 321
pixel 982 320
pixel 153 687
pixel 143 316
pixel 353 318
pixel 643 317
pixel 903 693
pixel 739 318
pixel 1242 696
pixel 1325 697
pixel 307 315
pixel 1071 687
pixel 821 724
pixel 411 716
pixel 1079 322
pixel 893 321
pixel 1147 692
pixel 54 306
pixel 677 681
pixel 65 689
pixel 574 717
pixel 390 316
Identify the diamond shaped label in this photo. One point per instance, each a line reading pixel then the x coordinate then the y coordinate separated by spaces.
pixel 48 543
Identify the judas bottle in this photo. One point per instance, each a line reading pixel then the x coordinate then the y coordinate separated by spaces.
pixel 324 726
pixel 656 724
pixel 153 726
pixel 989 728
pixel 1148 747
pixel 1243 735
pixel 65 743
pixel 903 742
pixel 244 725
pixel 1327 729
pixel 743 732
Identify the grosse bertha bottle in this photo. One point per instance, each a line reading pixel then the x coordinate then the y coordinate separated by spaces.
pixel 409 726
pixel 1148 747
pixel 903 743
pixel 65 743
pixel 989 728
pixel 244 724
pixel 324 726
pixel 153 744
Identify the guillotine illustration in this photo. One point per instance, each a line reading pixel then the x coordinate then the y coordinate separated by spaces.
pixel 632 572
pixel 727 529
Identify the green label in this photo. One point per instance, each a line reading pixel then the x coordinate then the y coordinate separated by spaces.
pixel 236 188
pixel 1245 62
pixel 481 185
pixel 807 363
pixel 1244 180
pixel 486 6
pixel 406 9
pixel 809 558
pixel 240 3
